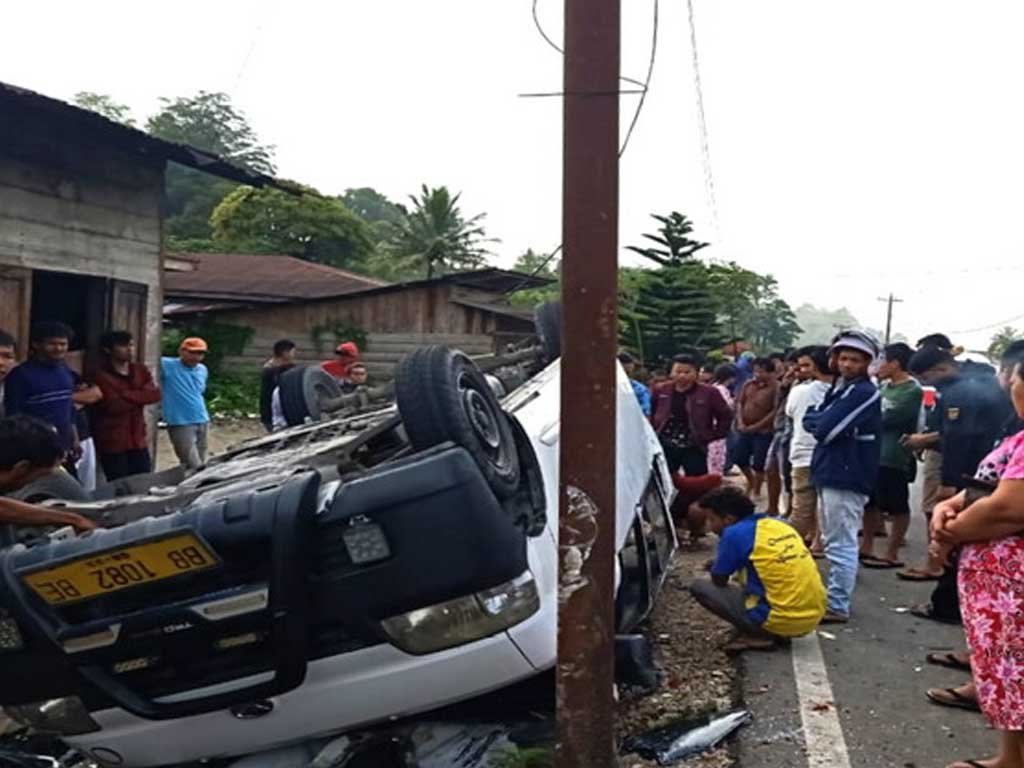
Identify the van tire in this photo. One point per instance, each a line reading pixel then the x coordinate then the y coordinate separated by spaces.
pixel 443 397
pixel 547 320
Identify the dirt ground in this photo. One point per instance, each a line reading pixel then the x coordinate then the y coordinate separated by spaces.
pixel 698 677
pixel 223 433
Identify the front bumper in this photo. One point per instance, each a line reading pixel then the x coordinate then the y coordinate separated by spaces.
pixel 340 693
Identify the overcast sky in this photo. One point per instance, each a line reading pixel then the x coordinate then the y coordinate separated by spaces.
pixel 856 148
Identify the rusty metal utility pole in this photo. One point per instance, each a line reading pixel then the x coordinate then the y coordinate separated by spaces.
pixel 586 597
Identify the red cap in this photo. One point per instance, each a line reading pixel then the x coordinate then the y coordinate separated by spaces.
pixel 348 349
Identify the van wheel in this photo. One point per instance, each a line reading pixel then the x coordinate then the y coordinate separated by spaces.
pixel 302 390
pixel 547 320
pixel 443 397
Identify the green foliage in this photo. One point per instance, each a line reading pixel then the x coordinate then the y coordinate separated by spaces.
pixel 103 104
pixel 751 308
pixel 228 393
pixel 307 226
pixel 1001 340
pixel 372 206
pixel 538 264
pixel 535 757
pixel 672 243
pixel 328 336
pixel 207 121
pixel 223 340
pixel 672 308
pixel 210 122
pixel 232 393
pixel 435 238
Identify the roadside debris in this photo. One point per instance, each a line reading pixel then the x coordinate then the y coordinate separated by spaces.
pixel 673 743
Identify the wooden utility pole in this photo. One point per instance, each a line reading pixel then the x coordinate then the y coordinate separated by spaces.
pixel 888 316
pixel 586 595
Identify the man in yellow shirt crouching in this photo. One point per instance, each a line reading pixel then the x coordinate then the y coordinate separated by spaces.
pixel 779 594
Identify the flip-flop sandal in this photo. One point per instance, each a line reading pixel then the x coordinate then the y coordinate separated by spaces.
pixel 948 660
pixel 973 763
pixel 736 647
pixel 926 612
pixel 955 700
pixel 916 575
pixel 880 562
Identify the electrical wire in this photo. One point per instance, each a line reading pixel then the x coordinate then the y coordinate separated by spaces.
pixel 645 87
pixel 1000 324
pixel 558 49
pixel 646 84
pixel 709 179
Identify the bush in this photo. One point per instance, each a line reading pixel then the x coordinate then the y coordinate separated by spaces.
pixel 233 394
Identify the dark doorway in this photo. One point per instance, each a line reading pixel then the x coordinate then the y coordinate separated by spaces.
pixel 76 301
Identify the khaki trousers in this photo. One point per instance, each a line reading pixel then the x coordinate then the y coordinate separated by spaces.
pixel 805 505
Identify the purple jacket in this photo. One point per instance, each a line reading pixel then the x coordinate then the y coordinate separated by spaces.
pixel 710 416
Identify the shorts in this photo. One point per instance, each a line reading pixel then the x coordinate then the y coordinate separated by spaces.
pixel 892 492
pixel 751 450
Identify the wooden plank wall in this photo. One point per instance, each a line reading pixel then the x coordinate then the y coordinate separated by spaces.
pixel 72 204
pixel 396 322
pixel 382 353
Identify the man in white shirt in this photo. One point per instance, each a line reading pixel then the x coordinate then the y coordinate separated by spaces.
pixel 816 380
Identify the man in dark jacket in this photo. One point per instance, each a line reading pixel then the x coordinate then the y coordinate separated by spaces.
pixel 974 411
pixel 688 417
pixel 283 360
pixel 844 468
pixel 119 419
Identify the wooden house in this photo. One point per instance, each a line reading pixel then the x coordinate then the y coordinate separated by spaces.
pixel 80 221
pixel 317 307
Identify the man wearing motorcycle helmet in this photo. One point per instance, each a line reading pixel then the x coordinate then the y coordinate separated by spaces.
pixel 844 468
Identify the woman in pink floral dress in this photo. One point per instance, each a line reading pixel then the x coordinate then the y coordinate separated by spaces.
pixel 724 376
pixel 991 581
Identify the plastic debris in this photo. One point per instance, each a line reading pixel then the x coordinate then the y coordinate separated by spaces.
pixel 687 738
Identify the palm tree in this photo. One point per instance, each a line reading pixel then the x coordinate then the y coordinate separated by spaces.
pixel 1004 338
pixel 435 238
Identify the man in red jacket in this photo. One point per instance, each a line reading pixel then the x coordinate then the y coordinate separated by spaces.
pixel 688 416
pixel 119 422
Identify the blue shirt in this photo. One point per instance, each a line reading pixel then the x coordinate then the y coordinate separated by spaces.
pixel 643 396
pixel 43 389
pixel 183 389
pixel 784 592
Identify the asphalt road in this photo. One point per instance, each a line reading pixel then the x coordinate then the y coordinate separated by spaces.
pixel 875 666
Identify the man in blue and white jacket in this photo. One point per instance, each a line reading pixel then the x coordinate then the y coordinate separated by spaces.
pixel 844 469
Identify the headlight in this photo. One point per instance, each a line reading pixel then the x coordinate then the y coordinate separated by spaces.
pixel 464 619
pixel 64 717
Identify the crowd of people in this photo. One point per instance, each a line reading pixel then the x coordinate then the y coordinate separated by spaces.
pixel 97 416
pixel 828 441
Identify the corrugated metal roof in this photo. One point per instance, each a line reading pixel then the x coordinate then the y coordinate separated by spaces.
pixel 258 279
pixel 497 308
pixel 90 127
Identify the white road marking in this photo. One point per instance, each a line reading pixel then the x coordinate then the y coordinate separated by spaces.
pixel 823 734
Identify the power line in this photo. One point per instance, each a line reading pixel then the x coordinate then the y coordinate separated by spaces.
pixel 1000 324
pixel 647 82
pixel 709 180
pixel 645 87
pixel 556 47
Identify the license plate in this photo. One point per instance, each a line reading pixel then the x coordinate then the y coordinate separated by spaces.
pixel 124 568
